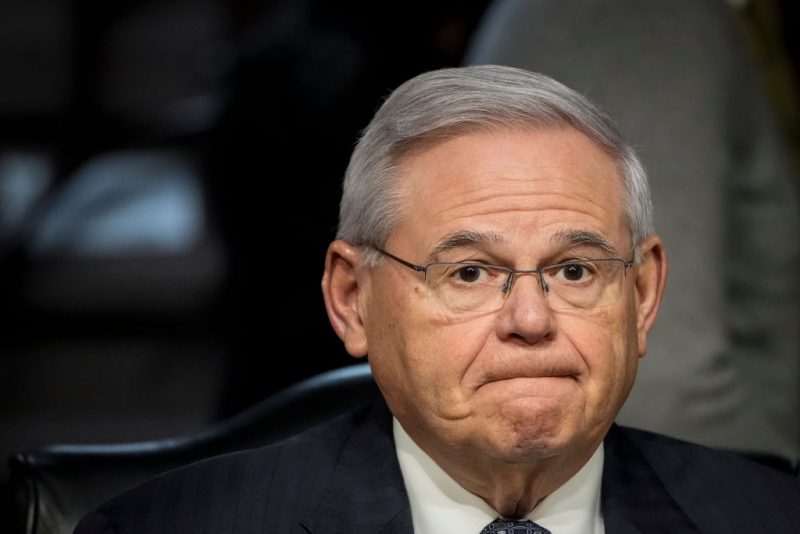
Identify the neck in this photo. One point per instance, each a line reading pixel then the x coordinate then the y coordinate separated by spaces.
pixel 513 488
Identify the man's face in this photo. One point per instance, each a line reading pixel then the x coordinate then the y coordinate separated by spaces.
pixel 525 381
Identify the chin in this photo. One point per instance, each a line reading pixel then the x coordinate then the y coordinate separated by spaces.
pixel 538 430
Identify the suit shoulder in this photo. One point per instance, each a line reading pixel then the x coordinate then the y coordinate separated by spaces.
pixel 705 458
pixel 235 492
pixel 716 475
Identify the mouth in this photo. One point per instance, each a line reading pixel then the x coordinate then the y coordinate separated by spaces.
pixel 522 371
pixel 528 381
pixel 531 373
pixel 530 392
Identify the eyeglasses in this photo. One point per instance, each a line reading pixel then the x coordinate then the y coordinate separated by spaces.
pixel 463 288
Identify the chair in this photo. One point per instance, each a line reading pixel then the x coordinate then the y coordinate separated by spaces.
pixel 56 485
pixel 723 367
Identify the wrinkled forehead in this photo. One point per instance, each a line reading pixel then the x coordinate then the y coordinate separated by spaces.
pixel 456 183
pixel 404 153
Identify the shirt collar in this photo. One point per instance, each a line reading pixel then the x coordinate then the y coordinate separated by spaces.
pixel 440 504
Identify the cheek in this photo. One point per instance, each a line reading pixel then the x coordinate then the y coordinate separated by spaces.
pixel 440 352
pixel 427 359
pixel 419 357
pixel 607 346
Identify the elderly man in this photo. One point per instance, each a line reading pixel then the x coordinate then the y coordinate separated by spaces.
pixel 497 262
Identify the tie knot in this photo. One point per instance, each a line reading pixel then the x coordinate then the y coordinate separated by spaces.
pixel 513 526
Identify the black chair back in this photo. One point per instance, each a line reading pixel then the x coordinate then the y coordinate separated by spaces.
pixel 56 485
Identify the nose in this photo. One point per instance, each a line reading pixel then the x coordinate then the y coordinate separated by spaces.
pixel 525 316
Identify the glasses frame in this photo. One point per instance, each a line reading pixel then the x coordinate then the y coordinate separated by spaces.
pixel 512 273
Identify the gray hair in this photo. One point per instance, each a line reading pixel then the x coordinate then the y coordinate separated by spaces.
pixel 446 103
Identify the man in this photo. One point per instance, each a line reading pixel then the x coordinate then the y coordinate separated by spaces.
pixel 496 260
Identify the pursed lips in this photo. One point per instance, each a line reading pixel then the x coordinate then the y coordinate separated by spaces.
pixel 529 373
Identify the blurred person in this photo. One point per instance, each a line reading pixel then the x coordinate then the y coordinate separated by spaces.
pixel 496 261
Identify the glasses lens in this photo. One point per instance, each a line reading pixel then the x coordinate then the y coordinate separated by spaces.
pixel 467 288
pixel 584 284
pixel 464 288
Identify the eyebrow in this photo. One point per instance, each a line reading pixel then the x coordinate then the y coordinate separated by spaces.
pixel 572 237
pixel 462 239
pixel 578 238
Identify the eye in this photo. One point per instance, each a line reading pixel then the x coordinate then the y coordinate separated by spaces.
pixel 573 271
pixel 469 273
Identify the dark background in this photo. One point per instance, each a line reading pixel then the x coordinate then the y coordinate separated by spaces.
pixel 261 102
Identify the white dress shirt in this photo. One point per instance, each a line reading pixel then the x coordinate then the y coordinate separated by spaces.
pixel 440 504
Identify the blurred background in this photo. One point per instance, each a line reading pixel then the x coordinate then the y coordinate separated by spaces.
pixel 169 181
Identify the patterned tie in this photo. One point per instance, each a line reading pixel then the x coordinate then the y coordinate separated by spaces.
pixel 513 526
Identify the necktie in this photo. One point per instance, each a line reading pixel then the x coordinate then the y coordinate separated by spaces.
pixel 513 526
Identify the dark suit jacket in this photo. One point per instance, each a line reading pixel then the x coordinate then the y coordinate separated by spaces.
pixel 343 476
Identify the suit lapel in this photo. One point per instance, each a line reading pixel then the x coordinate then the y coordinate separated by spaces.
pixel 710 506
pixel 634 497
pixel 366 491
pixel 716 491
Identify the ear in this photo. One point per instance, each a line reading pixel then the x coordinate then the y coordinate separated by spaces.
pixel 651 277
pixel 341 287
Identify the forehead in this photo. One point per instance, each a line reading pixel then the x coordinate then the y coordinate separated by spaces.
pixel 525 186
